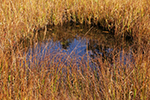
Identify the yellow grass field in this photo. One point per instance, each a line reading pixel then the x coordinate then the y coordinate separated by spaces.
pixel 21 19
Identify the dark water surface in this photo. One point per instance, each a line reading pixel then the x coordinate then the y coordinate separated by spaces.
pixel 71 44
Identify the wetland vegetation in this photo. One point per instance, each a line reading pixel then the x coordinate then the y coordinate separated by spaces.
pixel 75 49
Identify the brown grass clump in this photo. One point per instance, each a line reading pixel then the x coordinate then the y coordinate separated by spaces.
pixel 20 20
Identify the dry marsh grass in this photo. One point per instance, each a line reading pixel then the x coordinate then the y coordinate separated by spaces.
pixel 21 19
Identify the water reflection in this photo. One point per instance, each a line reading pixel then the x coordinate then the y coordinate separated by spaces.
pixel 69 45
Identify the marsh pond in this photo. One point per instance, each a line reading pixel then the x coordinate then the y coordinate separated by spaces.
pixel 78 44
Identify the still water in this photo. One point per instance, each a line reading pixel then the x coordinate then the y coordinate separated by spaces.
pixel 72 44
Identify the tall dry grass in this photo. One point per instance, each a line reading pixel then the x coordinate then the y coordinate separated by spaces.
pixel 21 19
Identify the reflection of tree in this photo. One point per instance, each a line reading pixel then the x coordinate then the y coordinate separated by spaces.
pixel 107 48
pixel 65 34
pixel 101 49
pixel 65 43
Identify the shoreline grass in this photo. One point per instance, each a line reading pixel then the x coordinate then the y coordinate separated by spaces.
pixel 22 19
pixel 120 16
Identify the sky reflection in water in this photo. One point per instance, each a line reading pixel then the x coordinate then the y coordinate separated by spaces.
pixel 74 48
